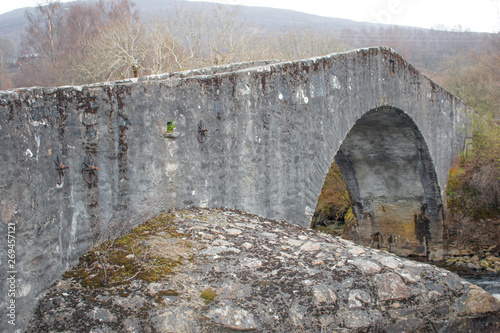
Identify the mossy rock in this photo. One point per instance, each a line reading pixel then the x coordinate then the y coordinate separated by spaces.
pixel 208 295
pixel 127 258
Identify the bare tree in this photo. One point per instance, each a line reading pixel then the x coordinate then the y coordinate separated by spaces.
pixel 7 52
pixel 102 41
pixel 163 52
pixel 43 34
pixel 173 41
pixel 208 37
pixel 185 36
pixel 42 41
pixel 117 54
pixel 395 37
pixel 475 77
pixel 7 49
pixel 305 42
pixel 474 186
pixel 57 34
pixel 226 38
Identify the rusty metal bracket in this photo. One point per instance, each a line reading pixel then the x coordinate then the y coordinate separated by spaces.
pixel 89 170
pixel 202 132
pixel 60 167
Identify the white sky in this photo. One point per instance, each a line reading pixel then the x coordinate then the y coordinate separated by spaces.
pixel 477 15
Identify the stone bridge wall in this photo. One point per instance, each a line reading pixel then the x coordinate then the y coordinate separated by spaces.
pixel 273 131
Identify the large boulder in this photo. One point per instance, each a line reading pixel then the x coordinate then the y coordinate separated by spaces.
pixel 241 272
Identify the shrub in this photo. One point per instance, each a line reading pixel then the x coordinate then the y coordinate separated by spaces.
pixel 474 182
pixel 333 202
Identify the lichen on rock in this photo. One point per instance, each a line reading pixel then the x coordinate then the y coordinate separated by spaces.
pixel 289 279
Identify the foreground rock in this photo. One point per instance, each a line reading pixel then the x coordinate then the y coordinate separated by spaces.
pixel 240 272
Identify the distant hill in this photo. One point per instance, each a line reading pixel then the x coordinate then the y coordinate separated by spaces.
pixel 12 23
pixel 268 19
pixel 427 48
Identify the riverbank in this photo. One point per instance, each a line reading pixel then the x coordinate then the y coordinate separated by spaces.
pixel 470 265
pixel 470 244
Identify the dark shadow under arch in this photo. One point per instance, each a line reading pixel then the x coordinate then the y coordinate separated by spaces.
pixel 391 179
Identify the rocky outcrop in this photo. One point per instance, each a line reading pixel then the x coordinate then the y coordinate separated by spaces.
pixel 241 272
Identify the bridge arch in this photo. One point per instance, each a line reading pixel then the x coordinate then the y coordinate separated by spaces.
pixel 391 178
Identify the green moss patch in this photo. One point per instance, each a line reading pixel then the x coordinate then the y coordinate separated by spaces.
pixel 208 295
pixel 135 255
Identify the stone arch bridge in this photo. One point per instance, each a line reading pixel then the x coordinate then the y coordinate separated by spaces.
pixel 258 137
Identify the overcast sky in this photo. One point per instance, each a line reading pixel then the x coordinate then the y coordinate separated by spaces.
pixel 477 15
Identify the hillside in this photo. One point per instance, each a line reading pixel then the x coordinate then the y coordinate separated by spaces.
pixel 268 19
pixel 425 48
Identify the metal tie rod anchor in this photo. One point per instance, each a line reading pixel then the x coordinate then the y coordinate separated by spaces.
pixel 202 135
pixel 60 167
pixel 89 170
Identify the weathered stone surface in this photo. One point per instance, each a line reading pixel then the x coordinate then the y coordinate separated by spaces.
pixel 367 266
pixel 101 315
pixel 310 247
pixel 273 131
pixel 128 303
pixel 392 287
pixel 477 301
pixel 261 289
pixel 389 262
pixel 233 318
pixel 132 325
pixel 178 319
pixel 322 294
pixel 358 298
pixel 361 318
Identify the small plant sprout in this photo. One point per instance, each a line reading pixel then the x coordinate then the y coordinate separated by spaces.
pixel 170 126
